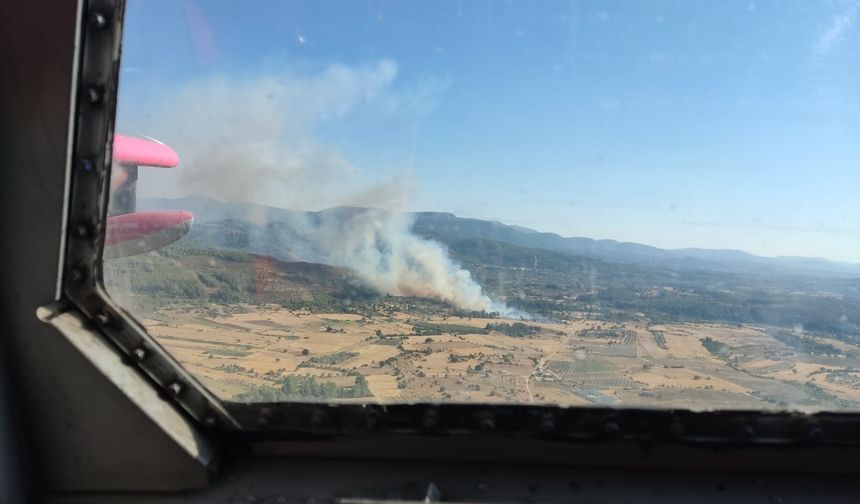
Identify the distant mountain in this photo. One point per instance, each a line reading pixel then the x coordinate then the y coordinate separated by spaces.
pixel 449 229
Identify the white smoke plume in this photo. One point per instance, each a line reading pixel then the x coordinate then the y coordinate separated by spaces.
pixel 380 248
pixel 257 140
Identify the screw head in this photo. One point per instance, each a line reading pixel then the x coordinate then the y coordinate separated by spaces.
pixel 139 354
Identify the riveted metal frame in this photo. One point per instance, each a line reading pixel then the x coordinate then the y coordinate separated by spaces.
pixel 83 285
pixel 307 421
pixel 100 46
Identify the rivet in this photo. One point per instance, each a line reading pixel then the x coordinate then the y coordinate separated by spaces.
pixel 98 20
pixel 87 165
pixel 139 354
pixel 317 418
pixel 76 274
pixel 102 318
pixel 744 433
pixel 94 94
pixel 175 388
pixel 611 428
pixel 210 422
pixel 371 422
pixel 82 230
pixel 814 433
pixel 676 427
pixel 430 419
pixel 487 424
pixel 547 424
pixel 265 419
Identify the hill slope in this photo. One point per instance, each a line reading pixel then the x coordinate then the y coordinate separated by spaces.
pixel 252 255
pixel 448 228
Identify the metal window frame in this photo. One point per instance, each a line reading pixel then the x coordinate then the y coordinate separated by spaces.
pixel 82 282
pixel 89 177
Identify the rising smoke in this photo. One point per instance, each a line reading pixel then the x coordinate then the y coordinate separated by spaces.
pixel 379 247
pixel 257 140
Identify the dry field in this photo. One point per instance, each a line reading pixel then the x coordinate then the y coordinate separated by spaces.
pixel 409 357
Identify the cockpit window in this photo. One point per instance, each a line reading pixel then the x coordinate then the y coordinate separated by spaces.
pixel 575 203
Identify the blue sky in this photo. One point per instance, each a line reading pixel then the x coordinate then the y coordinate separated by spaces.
pixel 713 124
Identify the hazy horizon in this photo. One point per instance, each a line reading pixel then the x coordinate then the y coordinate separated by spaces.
pixel 537 230
pixel 728 126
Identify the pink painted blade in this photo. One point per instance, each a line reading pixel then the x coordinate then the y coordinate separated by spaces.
pixel 143 152
pixel 139 232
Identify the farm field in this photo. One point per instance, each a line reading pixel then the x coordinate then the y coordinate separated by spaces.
pixel 493 318
pixel 268 352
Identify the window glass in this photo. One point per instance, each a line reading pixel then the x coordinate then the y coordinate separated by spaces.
pixel 579 203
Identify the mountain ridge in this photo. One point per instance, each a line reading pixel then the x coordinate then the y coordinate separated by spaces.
pixel 448 228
